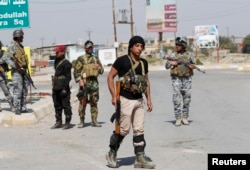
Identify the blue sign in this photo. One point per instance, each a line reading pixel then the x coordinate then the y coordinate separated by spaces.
pixel 14 14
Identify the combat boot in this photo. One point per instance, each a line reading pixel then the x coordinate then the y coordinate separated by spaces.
pixel 81 124
pixel 13 109
pixel 111 159
pixel 17 112
pixel 94 123
pixel 66 126
pixel 141 162
pixel 67 123
pixel 178 121
pixel 57 125
pixel 185 121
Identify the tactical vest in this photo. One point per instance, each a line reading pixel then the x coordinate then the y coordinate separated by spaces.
pixel 181 70
pixel 20 56
pixel 133 82
pixel 88 68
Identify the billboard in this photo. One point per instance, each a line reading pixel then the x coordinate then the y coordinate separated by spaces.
pixel 206 36
pixel 161 15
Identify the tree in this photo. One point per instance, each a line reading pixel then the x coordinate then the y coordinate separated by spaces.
pixel 227 43
pixel 246 45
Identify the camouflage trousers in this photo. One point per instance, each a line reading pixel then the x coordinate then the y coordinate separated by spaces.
pixel 182 87
pixel 5 89
pixel 93 97
pixel 20 91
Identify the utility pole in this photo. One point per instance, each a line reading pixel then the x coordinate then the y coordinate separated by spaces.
pixel 131 19
pixel 42 47
pixel 89 33
pixel 161 46
pixel 114 22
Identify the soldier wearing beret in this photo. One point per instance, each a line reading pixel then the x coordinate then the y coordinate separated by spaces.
pixel 61 88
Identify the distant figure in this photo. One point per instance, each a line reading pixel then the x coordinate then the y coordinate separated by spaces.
pixel 60 88
pixel 16 58
pixel 132 71
pixel 86 71
pixel 3 81
pixel 181 75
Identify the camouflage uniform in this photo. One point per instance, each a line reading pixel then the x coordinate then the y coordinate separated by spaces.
pixel 182 84
pixel 83 65
pixel 16 58
pixel 3 81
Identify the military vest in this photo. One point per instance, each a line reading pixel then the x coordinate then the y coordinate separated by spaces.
pixel 181 70
pixel 133 82
pixel 21 57
pixel 86 62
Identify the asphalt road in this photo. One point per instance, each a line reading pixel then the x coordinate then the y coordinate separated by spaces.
pixel 219 123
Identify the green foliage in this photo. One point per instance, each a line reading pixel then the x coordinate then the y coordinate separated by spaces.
pixel 246 45
pixel 152 60
pixel 227 43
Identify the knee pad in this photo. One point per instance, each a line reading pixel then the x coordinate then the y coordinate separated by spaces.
pixel 115 141
pixel 139 143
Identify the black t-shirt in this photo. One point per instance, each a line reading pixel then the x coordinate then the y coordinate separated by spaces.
pixel 122 65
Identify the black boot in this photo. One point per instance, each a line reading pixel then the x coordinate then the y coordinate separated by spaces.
pixel 67 123
pixel 18 112
pixel 58 121
pixel 66 126
pixel 57 125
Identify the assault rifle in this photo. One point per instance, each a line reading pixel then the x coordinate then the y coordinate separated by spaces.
pixel 24 71
pixel 117 114
pixel 83 94
pixel 185 63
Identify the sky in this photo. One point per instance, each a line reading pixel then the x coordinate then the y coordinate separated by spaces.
pixel 75 21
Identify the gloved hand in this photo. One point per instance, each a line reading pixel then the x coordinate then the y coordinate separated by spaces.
pixel 63 93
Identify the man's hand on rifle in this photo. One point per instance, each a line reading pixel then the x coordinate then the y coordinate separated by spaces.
pixel 191 66
pixel 174 63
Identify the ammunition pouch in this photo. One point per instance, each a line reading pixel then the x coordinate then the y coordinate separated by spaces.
pixel 181 71
pixel 134 84
pixel 90 70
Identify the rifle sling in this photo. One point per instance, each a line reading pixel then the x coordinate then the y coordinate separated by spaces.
pixel 134 66
pixel 60 63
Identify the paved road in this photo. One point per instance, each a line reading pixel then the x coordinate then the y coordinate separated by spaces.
pixel 219 124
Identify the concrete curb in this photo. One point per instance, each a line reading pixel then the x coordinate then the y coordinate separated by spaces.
pixel 40 110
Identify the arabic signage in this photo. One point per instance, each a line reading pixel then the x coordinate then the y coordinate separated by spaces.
pixel 14 14
pixel 161 16
pixel 207 36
